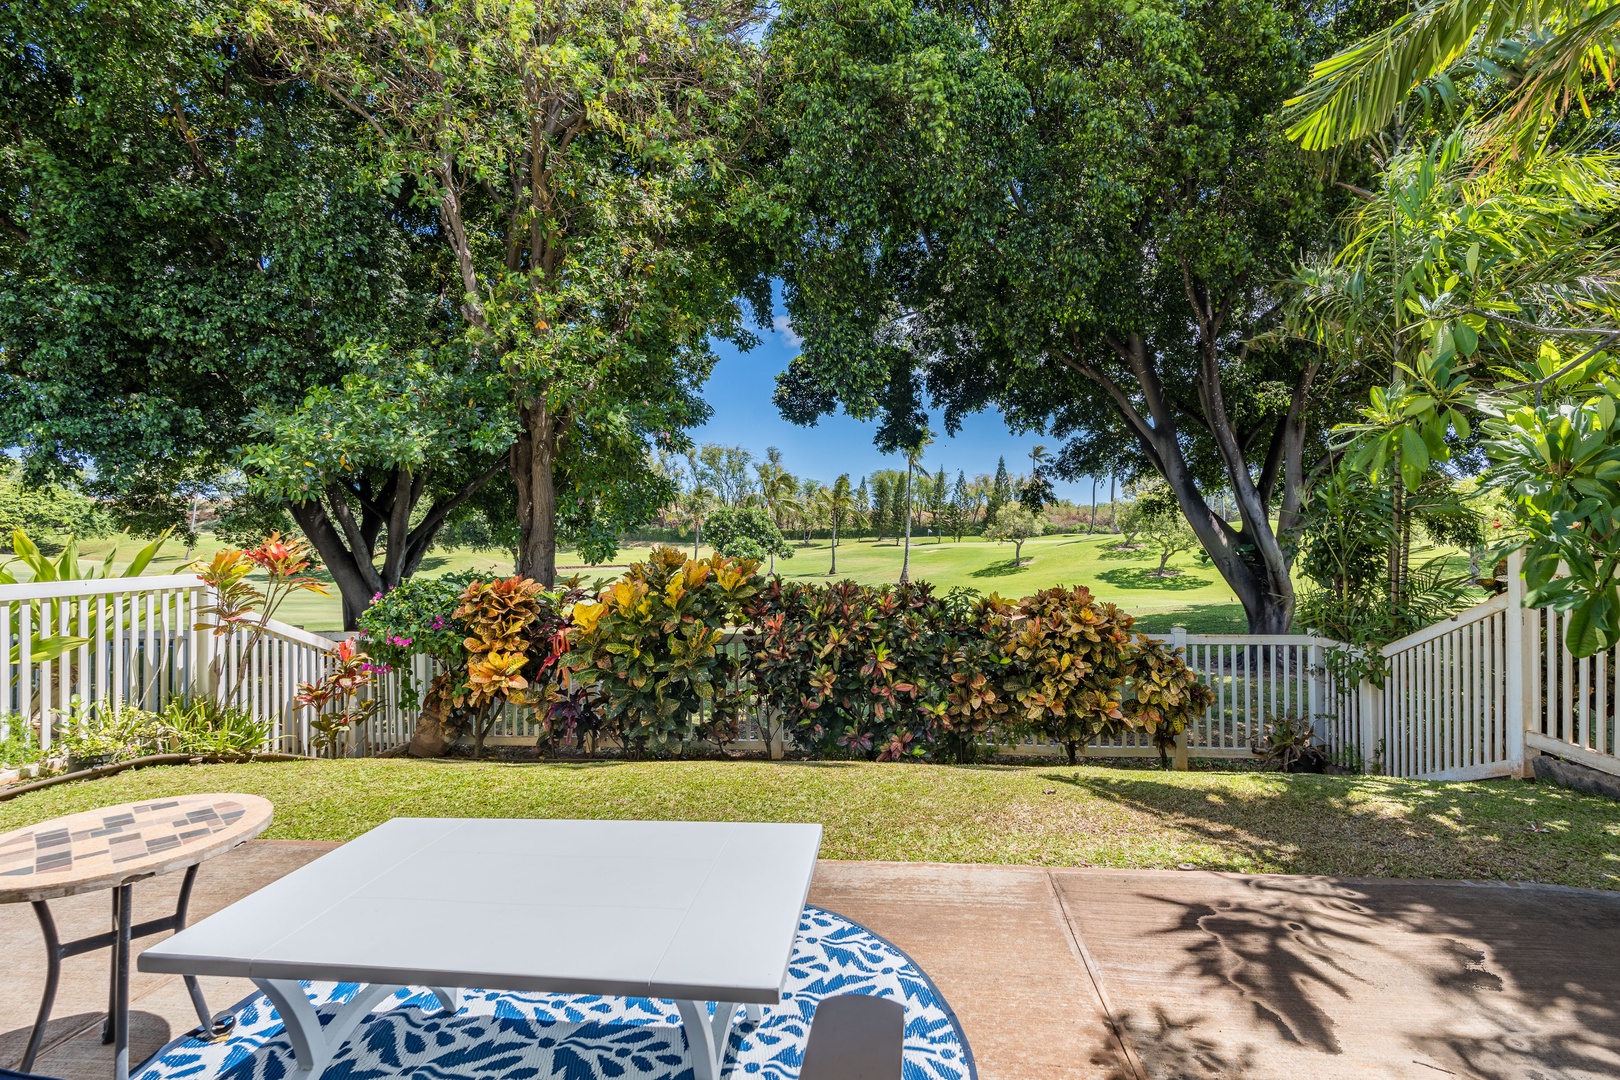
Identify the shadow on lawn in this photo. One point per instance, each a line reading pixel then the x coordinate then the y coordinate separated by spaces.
pixel 1120 550
pixel 1004 568
pixel 1143 577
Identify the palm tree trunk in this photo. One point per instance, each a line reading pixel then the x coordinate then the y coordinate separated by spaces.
pixel 1091 525
pixel 905 561
pixel 833 569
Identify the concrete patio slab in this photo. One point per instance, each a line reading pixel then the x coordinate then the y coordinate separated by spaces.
pixel 1225 975
pixel 1200 974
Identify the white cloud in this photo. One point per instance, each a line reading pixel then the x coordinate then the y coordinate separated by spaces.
pixel 782 326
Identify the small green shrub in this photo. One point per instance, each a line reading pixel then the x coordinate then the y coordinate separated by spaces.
pixel 101 734
pixel 417 616
pixel 20 746
pixel 1290 745
pixel 201 725
pixel 1078 671
pixel 854 671
pixel 650 650
pixel 894 672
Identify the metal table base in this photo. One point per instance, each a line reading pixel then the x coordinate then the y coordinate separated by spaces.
pixel 115 1029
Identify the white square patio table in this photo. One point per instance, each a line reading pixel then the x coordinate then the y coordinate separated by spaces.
pixel 698 912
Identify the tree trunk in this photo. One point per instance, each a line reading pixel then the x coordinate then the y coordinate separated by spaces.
pixel 356 587
pixel 1113 523
pixel 833 569
pixel 905 561
pixel 1091 526
pixel 428 740
pixel 533 459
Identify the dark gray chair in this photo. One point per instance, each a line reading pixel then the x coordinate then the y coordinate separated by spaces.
pixel 855 1037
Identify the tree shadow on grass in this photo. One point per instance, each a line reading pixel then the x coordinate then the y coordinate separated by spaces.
pixel 1120 550
pixel 1002 569
pixel 1142 577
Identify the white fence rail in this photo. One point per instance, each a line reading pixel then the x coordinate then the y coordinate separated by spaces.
pixel 136 644
pixel 1572 701
pixel 1466 698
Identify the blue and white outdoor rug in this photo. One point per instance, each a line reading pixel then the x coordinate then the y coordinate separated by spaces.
pixel 500 1035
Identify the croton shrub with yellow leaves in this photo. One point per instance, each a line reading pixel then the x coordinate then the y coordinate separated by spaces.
pixel 651 650
pixel 517 632
pixel 1075 669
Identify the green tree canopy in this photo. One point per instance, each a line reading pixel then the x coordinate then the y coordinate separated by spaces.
pixel 746 532
pixel 576 158
pixel 1074 211
pixel 182 242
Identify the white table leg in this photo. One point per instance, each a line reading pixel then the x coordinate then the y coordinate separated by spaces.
pixel 706 1035
pixel 314 1046
pixel 754 1013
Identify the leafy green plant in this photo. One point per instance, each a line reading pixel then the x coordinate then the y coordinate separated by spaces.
pixel 417 617
pixel 1290 745
pixel 102 733
pixel 65 567
pixel 20 744
pixel 337 699
pixel 650 649
pixel 201 725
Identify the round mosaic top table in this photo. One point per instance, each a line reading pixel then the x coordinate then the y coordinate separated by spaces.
pixel 102 849
pixel 112 848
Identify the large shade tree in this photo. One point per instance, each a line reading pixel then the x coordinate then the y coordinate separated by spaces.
pixel 575 155
pixel 182 245
pixel 1075 211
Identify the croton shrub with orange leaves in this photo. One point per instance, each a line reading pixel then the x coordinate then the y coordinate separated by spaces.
pixel 890 672
pixel 516 634
pixel 651 652
pixel 1076 670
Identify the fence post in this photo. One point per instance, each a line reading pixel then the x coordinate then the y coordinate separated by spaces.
pixel 1178 641
pixel 1372 720
pixel 1517 647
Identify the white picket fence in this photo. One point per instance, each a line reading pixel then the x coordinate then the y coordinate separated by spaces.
pixel 138 642
pixel 1466 698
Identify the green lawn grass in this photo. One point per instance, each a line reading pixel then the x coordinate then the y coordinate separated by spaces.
pixel 1041 815
pixel 1195 597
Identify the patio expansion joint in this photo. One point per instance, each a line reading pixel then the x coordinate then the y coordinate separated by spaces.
pixel 1123 1041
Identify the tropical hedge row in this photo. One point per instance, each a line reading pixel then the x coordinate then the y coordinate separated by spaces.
pixel 680 650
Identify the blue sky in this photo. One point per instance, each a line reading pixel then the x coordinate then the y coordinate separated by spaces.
pixel 740 392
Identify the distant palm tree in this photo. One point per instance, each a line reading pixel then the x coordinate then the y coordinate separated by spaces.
pixel 695 504
pixel 778 489
pixel 913 459
pixel 835 502
pixel 1036 456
